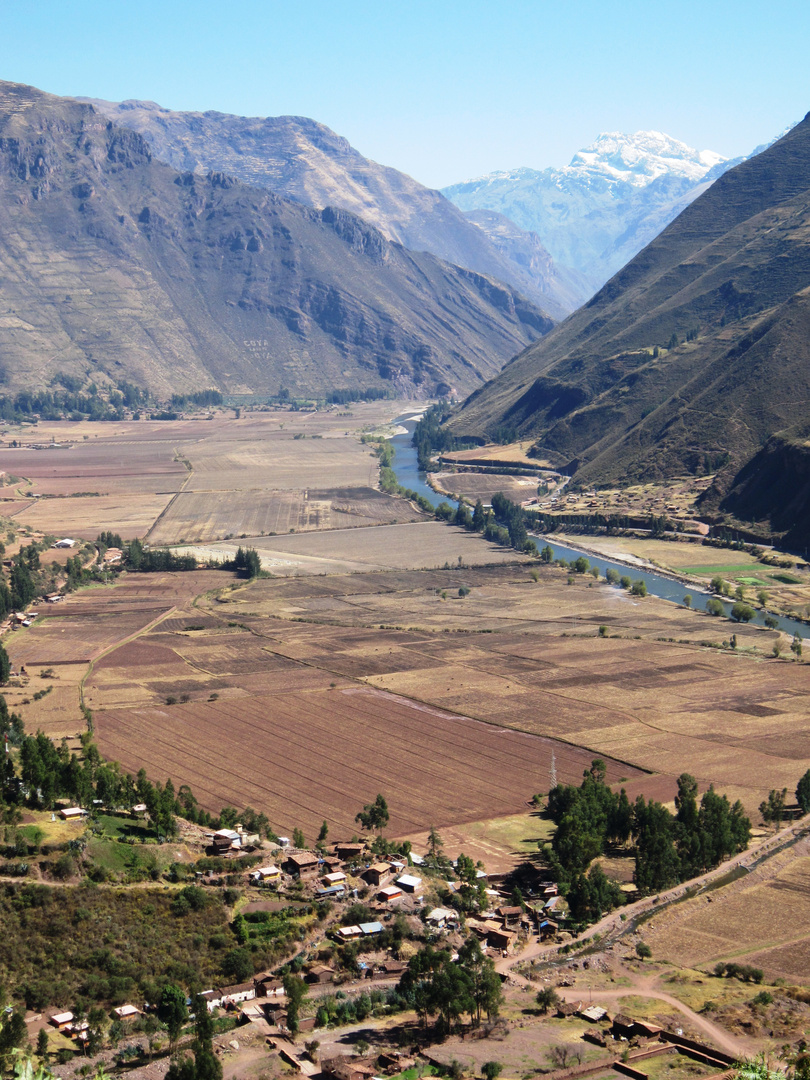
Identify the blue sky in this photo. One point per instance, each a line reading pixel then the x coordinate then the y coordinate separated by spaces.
pixel 441 90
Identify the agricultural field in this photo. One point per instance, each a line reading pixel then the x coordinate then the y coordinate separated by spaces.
pixel 473 486
pixel 197 517
pixel 528 654
pixel 761 919
pixel 318 756
pixel 422 544
pixel 267 471
pixel 787 589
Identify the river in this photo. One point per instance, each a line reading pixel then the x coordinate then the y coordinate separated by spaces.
pixel 658 584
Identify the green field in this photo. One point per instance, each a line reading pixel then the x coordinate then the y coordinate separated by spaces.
pixel 736 568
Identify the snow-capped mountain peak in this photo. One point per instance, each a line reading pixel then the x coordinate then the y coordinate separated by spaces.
pixel 640 158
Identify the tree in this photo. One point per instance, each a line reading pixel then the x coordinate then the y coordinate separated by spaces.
pixel 491 1070
pixel 296 990
pixel 547 554
pixel 435 842
pixel 714 607
pixel 643 950
pixel 172 1010
pixel 42 1044
pixel 741 612
pixel 374 815
pixel 5 666
pixel 324 832
pixel 13 1033
pixel 803 793
pixel 796 646
pixel 479 517
pixel 773 807
pixel 298 838
pixel 547 998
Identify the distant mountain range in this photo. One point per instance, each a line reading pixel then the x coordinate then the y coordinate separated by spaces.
pixel 598 212
pixel 114 265
pixel 694 358
pixel 307 162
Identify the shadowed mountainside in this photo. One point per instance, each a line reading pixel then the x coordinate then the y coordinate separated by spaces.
pixel 115 265
pixel 610 394
pixel 306 161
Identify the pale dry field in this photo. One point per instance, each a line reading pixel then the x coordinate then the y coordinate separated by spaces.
pixel 762 919
pixel 200 479
pixel 483 486
pixel 422 544
pixel 200 517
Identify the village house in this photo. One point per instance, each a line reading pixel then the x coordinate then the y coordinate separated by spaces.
pixel 72 813
pixel 61 1020
pixel 350 850
pixel 347 1068
pixel 392 969
pixel 224 839
pixel 320 974
pixel 333 891
pixel 302 863
pixel 265 875
pixel 441 917
pixel 268 985
pixel 408 883
pixel 378 873
pixel 335 878
pixel 126 1012
pixel 500 939
pixel 511 916
pixel 233 995
pixel 390 892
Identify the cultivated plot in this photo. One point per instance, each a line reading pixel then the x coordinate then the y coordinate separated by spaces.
pixel 308 757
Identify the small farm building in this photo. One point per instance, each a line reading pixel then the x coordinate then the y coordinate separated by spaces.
pixel 70 813
pixel 409 883
pixel 265 874
pixel 320 974
pixel 125 1012
pixel 302 863
pixel 390 892
pixel 377 874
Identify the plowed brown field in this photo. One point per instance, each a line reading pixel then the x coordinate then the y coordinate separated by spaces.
pixel 303 758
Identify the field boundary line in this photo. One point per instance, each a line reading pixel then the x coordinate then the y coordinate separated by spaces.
pixel 124 641
pixel 175 496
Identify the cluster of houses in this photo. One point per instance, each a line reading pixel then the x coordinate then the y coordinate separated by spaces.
pixel 67 1023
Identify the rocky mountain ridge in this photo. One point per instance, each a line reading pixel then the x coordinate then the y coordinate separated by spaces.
pixel 306 161
pixel 114 265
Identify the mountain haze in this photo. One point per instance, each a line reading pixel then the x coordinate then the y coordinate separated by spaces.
pixel 114 264
pixel 303 160
pixel 731 273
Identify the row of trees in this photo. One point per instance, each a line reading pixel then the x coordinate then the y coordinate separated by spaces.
pixel 773 808
pixel 668 848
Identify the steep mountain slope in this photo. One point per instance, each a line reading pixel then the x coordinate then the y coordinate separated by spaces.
pixel 306 161
pixel 595 214
pixel 113 263
pixel 731 273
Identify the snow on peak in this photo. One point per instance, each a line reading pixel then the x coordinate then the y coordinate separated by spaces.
pixel 640 158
